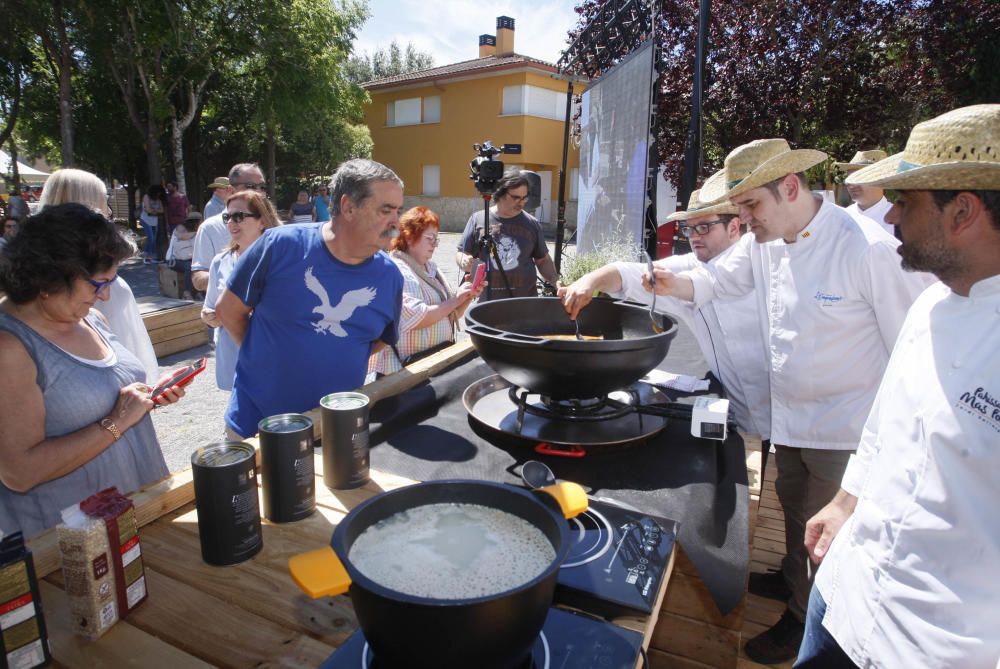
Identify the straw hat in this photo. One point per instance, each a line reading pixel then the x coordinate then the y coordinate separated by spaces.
pixel 957 150
pixel 220 182
pixel 762 161
pixel 713 188
pixel 863 159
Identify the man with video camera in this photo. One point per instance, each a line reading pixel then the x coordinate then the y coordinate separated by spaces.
pixel 513 241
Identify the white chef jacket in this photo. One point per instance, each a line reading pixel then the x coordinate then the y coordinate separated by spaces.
pixel 876 212
pixel 729 335
pixel 125 321
pixel 911 579
pixel 834 300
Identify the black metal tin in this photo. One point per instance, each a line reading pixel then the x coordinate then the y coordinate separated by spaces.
pixel 225 490
pixel 287 467
pixel 345 440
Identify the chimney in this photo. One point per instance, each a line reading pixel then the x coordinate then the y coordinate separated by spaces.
pixel 505 36
pixel 487 45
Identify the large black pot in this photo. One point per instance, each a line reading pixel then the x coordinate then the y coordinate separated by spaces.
pixel 494 632
pixel 511 337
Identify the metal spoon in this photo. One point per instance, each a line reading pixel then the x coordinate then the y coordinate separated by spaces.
pixel 652 281
pixel 537 474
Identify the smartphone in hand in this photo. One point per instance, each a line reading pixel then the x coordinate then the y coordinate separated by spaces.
pixel 477 281
pixel 178 379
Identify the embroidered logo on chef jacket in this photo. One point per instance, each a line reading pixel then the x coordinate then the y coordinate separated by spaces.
pixel 980 404
pixel 826 299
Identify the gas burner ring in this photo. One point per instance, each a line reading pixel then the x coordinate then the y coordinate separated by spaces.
pixel 588 410
pixel 605 532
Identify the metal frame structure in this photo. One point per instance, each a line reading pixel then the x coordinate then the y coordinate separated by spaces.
pixel 619 27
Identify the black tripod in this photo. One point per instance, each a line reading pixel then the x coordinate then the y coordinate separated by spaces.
pixel 486 249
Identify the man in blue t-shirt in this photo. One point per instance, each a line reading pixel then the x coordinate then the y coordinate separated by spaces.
pixel 323 298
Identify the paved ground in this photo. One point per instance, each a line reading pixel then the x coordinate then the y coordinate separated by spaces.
pixel 197 419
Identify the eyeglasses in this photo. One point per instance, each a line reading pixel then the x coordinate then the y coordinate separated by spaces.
pixel 237 217
pixel 518 198
pixel 700 228
pixel 433 239
pixel 262 186
pixel 101 285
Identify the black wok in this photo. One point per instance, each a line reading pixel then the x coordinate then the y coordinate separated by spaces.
pixel 512 337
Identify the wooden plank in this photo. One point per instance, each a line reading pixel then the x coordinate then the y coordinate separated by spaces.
pixel 688 596
pixel 265 587
pixel 763 611
pixel 179 329
pixel 772 560
pixel 122 646
pixel 663 660
pixel 772 523
pixel 693 639
pixel 150 303
pixel 189 311
pixel 768 512
pixel 190 619
pixel 180 344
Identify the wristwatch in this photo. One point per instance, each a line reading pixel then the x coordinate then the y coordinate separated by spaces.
pixel 110 426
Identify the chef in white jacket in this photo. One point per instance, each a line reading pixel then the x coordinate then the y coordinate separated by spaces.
pixel 868 201
pixel 728 332
pixel 910 579
pixel 833 297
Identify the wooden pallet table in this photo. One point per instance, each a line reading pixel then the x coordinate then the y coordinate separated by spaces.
pixel 173 325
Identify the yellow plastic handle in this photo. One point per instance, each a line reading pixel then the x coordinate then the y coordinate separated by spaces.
pixel 319 573
pixel 571 497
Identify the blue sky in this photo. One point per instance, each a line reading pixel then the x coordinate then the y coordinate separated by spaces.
pixel 450 29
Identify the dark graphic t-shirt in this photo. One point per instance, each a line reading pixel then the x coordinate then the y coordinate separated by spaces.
pixel 519 242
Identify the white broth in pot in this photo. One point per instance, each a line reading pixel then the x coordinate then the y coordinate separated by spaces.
pixel 452 551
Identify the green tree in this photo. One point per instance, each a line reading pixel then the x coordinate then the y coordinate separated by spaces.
pixel 387 63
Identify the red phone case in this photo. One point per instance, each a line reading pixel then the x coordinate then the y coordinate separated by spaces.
pixel 480 275
pixel 179 379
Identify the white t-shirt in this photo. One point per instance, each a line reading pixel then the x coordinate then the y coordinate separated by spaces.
pixel 122 314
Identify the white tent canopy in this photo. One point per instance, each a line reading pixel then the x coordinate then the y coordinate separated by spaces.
pixel 27 173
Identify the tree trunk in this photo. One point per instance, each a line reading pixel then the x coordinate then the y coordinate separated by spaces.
pixel 15 174
pixel 65 58
pixel 177 144
pixel 10 115
pixel 153 152
pixel 271 153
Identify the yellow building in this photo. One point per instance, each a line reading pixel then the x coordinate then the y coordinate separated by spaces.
pixel 424 125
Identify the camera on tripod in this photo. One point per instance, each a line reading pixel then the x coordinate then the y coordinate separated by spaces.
pixel 486 170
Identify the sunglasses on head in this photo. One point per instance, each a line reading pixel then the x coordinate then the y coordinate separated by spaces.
pixel 237 216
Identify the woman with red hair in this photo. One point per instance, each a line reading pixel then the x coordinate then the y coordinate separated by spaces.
pixel 430 307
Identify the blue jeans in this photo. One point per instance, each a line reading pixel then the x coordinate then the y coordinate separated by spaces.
pixel 819 650
pixel 149 249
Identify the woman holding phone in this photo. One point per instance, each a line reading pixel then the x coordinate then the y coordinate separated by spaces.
pixel 76 405
pixel 431 308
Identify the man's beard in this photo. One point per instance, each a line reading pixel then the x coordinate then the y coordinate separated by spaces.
pixel 930 256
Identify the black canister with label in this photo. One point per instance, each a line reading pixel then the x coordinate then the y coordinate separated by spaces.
pixel 287 467
pixel 345 440
pixel 225 491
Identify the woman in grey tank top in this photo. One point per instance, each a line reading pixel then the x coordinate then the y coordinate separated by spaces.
pixel 76 416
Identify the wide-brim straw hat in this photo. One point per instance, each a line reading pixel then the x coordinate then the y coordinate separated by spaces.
pixel 959 150
pixel 762 161
pixel 220 182
pixel 713 186
pixel 863 159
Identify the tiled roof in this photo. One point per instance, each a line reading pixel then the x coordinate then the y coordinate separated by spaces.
pixel 456 69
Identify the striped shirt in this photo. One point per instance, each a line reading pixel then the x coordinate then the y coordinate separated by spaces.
pixel 418 299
